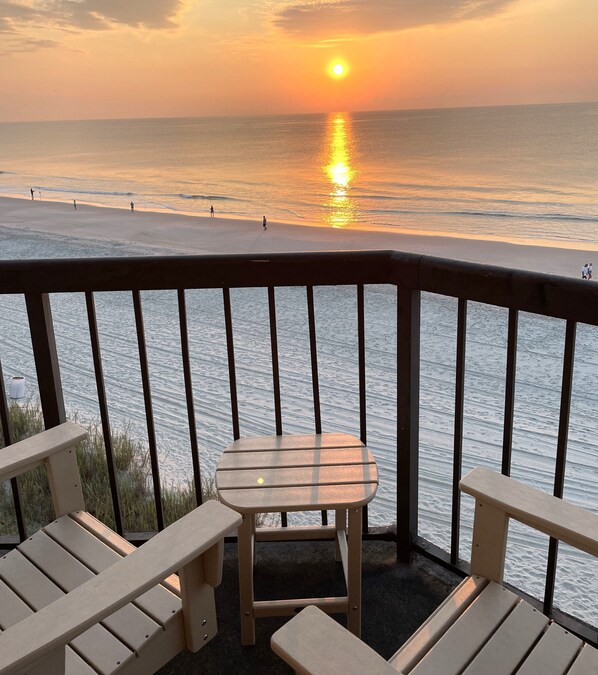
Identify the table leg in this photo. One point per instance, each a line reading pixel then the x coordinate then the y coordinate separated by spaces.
pixel 340 522
pixel 245 555
pixel 253 539
pixel 354 572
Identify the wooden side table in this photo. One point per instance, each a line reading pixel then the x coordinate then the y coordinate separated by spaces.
pixel 313 472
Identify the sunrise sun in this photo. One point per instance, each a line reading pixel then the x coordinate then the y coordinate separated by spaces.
pixel 338 69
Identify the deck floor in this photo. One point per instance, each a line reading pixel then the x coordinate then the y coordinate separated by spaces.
pixel 396 600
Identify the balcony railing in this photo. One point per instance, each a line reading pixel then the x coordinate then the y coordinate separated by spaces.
pixel 570 300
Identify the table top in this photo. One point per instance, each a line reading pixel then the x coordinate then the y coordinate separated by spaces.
pixel 296 473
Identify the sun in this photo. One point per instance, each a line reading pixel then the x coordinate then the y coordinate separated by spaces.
pixel 338 69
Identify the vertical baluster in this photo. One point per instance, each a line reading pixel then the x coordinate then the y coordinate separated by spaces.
pixel 228 320
pixel 4 418
pixel 189 395
pixel 561 454
pixel 507 442
pixel 102 401
pixel 458 433
pixel 314 358
pixel 46 358
pixel 362 381
pixel 408 338
pixel 275 370
pixel 313 346
pixel 361 350
pixel 149 413
pixel 275 373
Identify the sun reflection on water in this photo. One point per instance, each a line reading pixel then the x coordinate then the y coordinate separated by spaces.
pixel 339 168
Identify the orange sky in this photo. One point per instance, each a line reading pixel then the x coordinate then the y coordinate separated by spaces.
pixel 155 58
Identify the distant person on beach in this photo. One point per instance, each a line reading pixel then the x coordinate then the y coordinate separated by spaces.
pixel 40 194
pixel 211 211
pixel 132 206
pixel 584 271
pixel 589 270
pixel 74 204
pixel 31 193
pixel 264 223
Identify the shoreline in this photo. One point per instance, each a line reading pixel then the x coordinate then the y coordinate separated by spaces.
pixel 193 234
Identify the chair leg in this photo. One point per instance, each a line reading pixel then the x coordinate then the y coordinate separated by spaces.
pixel 245 555
pixel 354 572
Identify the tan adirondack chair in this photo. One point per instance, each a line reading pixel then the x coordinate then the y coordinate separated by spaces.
pixel 77 598
pixel 482 627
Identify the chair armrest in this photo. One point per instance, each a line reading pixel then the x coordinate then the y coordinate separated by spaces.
pixel 555 517
pixel 19 457
pixel 170 550
pixel 314 644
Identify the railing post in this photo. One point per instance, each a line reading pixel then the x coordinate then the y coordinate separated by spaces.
pixel 46 358
pixel 408 334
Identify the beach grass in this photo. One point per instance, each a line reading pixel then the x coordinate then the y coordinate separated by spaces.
pixel 133 477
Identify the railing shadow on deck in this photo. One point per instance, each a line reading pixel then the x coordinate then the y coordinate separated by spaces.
pixel 571 301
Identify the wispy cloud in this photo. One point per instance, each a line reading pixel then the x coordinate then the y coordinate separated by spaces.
pixel 14 41
pixel 336 19
pixel 22 20
pixel 137 13
pixel 87 14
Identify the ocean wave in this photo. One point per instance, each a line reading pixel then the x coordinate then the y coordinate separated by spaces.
pixel 298 215
pixel 457 200
pixel 492 214
pixel 85 192
pixel 211 198
pixel 526 216
pixel 477 189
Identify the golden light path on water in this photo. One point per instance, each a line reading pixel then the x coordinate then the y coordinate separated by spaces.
pixel 340 170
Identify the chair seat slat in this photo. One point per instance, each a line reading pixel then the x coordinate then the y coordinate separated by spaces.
pixel 465 638
pixel 132 626
pixel 96 645
pixel 586 662
pixel 553 654
pixel 438 623
pixel 509 645
pixel 159 603
pixel 117 543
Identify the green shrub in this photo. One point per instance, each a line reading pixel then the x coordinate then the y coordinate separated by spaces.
pixel 133 478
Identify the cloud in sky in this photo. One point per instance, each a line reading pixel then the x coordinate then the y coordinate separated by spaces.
pixel 87 14
pixel 24 24
pixel 335 19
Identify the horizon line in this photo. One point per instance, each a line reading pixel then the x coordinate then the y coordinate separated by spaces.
pixel 295 114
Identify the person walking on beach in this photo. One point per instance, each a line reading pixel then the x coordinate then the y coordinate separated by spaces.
pixel 132 207
pixel 584 271
pixel 74 204
pixel 264 223
pixel 31 194
pixel 211 211
pixel 589 270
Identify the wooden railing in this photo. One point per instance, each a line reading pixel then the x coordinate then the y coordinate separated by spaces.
pixel 571 300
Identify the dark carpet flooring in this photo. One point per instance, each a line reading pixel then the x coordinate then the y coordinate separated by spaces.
pixel 396 600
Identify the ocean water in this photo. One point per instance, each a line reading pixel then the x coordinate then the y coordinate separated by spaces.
pixel 520 173
pixel 524 173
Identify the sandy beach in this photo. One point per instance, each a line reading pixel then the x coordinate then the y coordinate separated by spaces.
pixel 204 235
